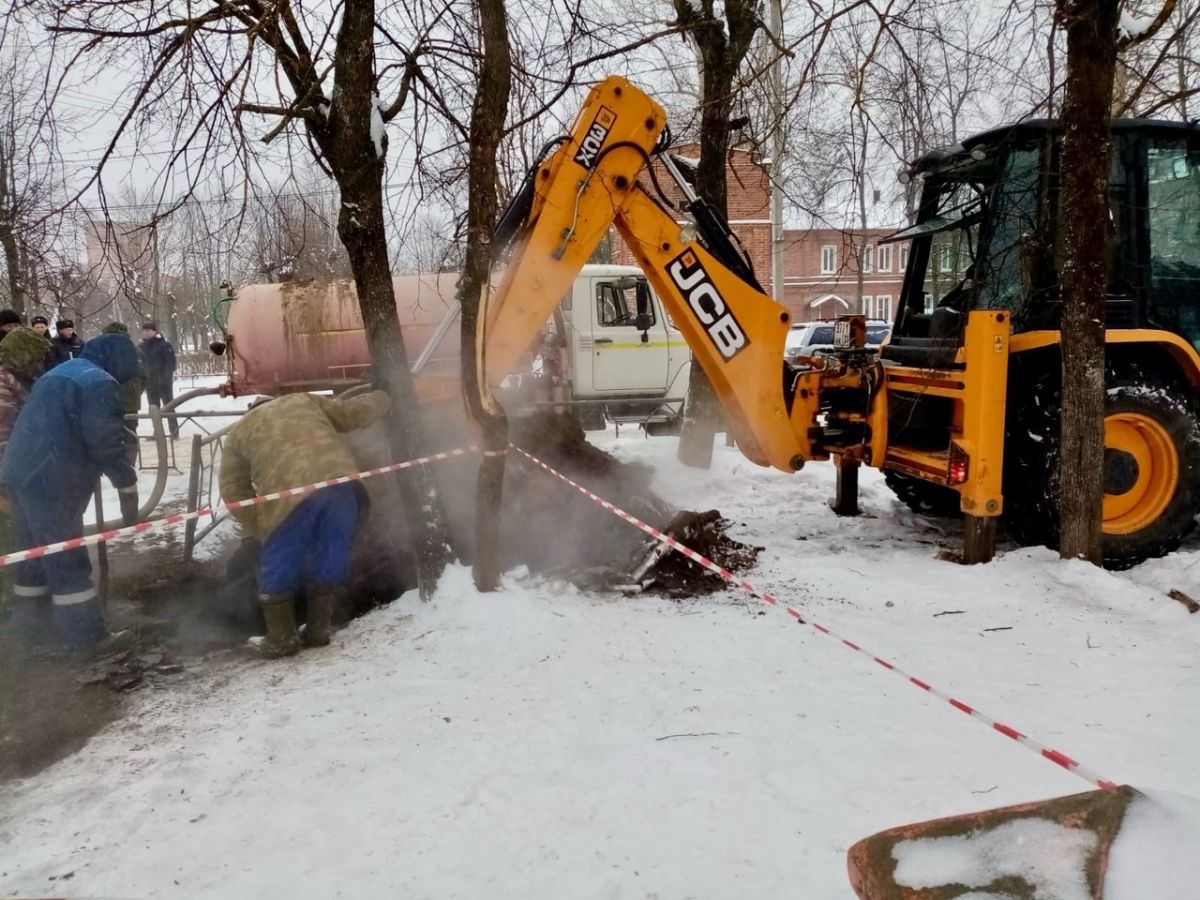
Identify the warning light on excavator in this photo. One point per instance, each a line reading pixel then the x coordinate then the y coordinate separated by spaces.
pixel 956 469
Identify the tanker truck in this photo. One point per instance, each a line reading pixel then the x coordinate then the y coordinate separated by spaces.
pixel 608 351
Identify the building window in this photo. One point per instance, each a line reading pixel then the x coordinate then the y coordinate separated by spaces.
pixel 885 258
pixel 866 305
pixel 945 258
pixel 868 256
pixel 883 307
pixel 927 303
pixel 828 260
pixel 903 258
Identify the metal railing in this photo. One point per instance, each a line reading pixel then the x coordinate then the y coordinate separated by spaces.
pixel 156 453
pixel 203 487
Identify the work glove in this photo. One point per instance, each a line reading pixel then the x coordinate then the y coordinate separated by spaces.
pixel 129 507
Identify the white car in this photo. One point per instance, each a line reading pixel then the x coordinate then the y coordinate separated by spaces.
pixel 813 338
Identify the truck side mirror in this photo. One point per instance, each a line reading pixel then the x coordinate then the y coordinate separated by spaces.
pixel 645 317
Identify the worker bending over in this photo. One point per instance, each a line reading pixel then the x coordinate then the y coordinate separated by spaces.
pixel 286 443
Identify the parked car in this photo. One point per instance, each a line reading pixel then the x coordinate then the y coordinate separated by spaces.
pixel 813 338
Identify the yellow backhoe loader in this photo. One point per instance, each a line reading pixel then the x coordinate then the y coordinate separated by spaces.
pixel 960 407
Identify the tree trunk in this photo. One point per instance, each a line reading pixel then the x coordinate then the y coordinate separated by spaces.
pixel 8 237
pixel 720 55
pixel 357 163
pixel 1091 63
pixel 487 128
pixel 12 259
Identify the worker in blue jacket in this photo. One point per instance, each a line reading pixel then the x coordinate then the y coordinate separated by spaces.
pixel 70 431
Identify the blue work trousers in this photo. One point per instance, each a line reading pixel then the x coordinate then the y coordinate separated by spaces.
pixel 312 545
pixel 61 580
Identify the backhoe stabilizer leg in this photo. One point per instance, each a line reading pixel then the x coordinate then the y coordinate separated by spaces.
pixel 979 538
pixel 845 498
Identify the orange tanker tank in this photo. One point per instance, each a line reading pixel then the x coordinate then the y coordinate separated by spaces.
pixel 308 335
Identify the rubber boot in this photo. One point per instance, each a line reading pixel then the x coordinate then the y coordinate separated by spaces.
pixel 31 621
pixel 82 628
pixel 322 602
pixel 279 612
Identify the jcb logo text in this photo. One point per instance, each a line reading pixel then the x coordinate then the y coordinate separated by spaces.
pixel 597 134
pixel 697 288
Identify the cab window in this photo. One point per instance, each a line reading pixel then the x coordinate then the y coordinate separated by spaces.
pixel 616 304
pixel 1173 216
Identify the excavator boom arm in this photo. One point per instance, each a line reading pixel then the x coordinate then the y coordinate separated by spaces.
pixel 736 332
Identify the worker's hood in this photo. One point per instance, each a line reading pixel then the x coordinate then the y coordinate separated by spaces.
pixel 23 352
pixel 116 355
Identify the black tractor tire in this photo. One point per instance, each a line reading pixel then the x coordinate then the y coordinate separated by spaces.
pixel 1031 478
pixel 923 497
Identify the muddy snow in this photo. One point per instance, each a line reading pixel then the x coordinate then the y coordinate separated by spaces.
pixel 546 741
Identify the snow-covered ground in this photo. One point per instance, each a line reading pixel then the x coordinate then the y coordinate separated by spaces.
pixel 542 742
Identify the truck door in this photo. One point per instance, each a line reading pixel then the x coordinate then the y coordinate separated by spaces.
pixel 624 359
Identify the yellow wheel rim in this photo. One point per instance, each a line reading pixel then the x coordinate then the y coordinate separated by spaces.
pixel 1154 473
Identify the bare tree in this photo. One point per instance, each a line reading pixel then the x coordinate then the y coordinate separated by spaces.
pixel 1161 72
pixel 719 55
pixel 31 176
pixel 1093 43
pixel 217 62
pixel 487 128
pixel 294 236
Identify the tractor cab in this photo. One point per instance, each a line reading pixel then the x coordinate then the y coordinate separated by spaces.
pixel 988 235
pixel 988 240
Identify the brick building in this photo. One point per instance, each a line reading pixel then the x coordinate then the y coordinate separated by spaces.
pixel 820 268
pixel 749 203
pixel 820 273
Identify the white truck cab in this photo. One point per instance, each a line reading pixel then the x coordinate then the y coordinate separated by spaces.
pixel 610 352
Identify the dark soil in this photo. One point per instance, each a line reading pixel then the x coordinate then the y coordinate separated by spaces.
pixel 705 532
pixel 45 714
pixel 51 704
pixel 555 530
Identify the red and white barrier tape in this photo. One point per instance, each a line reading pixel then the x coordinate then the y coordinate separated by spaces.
pixel 177 518
pixel 1054 756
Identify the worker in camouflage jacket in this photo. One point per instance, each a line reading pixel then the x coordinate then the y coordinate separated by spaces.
pixel 22 357
pixel 70 431
pixel 285 443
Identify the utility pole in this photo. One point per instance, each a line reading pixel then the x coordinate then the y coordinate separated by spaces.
pixel 776 80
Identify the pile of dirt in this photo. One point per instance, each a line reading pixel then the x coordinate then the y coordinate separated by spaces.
pixel 707 533
pixel 556 531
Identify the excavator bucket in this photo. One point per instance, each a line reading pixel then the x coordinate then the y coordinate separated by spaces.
pixel 1018 852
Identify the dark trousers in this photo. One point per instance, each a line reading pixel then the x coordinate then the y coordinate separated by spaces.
pixel 63 580
pixel 159 392
pixel 312 545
